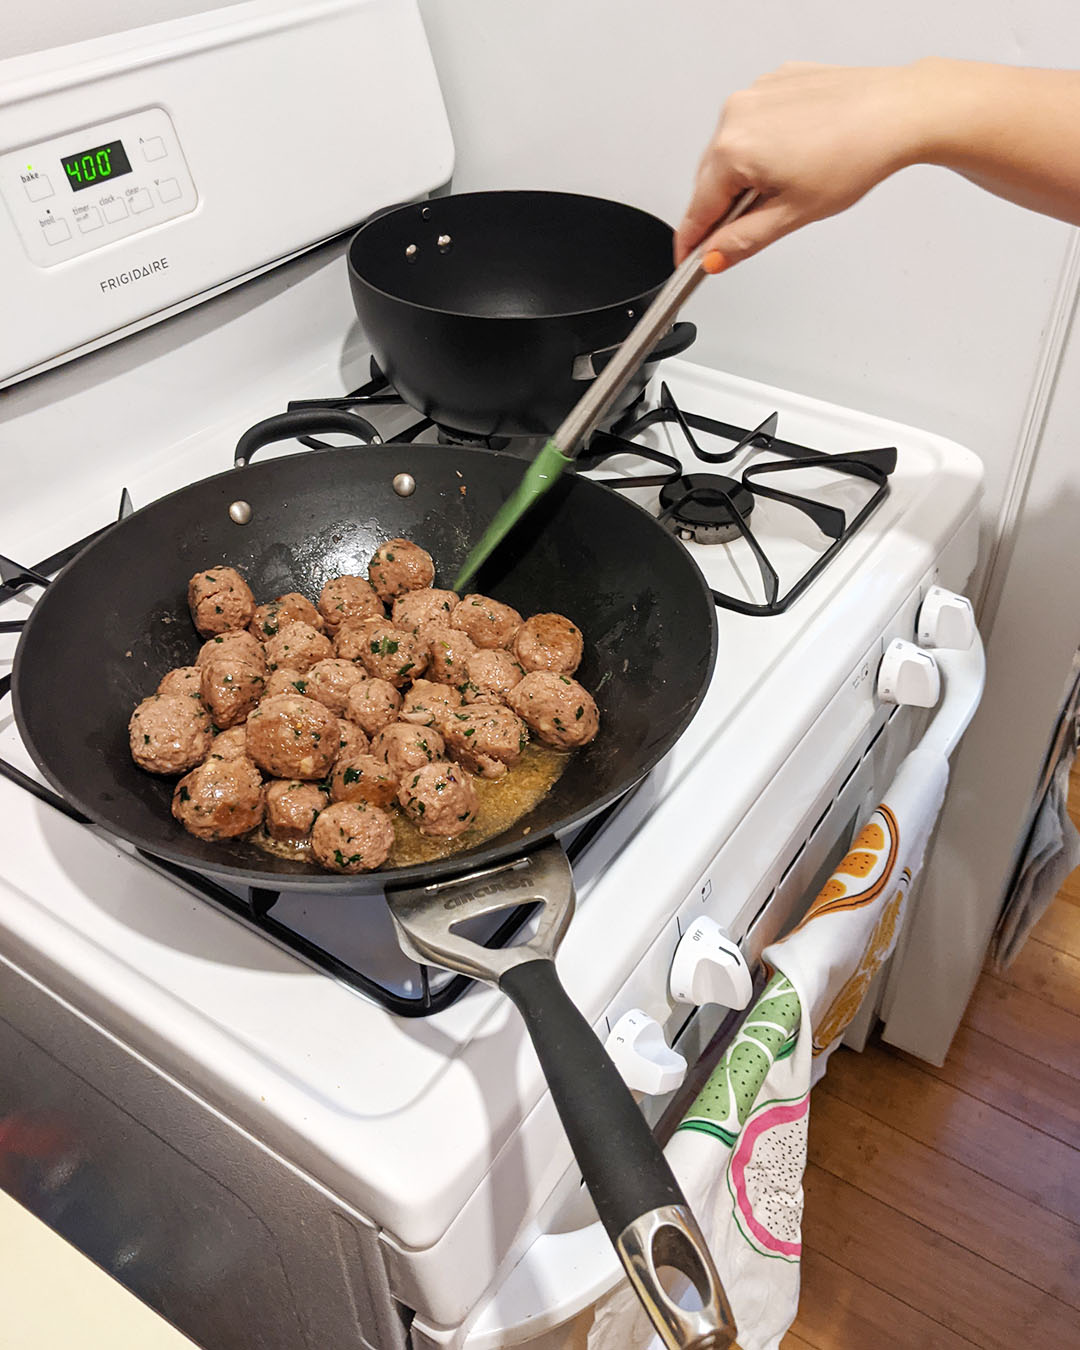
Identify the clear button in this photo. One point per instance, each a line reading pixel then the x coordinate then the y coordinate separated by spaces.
pixel 140 201
pixel 56 231
pixel 90 221
pixel 114 210
pixel 153 148
pixel 168 189
pixel 37 189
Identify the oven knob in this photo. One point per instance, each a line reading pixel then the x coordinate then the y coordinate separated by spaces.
pixel 709 968
pixel 908 676
pixel 946 620
pixel 647 1063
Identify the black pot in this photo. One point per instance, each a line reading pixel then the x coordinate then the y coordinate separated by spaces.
pixel 490 312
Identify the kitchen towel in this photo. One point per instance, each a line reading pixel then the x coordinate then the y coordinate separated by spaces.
pixel 740 1151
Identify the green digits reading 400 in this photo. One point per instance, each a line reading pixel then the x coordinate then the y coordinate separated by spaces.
pixel 97 165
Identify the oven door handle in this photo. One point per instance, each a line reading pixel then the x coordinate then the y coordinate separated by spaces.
pixel 963 675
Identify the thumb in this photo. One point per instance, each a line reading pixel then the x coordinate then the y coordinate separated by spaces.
pixel 764 223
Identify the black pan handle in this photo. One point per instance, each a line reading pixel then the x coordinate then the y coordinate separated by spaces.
pixel 636 1195
pixel 674 342
pixel 301 422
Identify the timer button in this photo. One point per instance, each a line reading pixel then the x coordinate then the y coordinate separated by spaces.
pixel 90 221
pixel 56 231
pixel 140 201
pixel 37 189
pixel 153 148
pixel 115 210
pixel 168 189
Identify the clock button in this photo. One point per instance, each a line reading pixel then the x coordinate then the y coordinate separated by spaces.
pixel 140 201
pixel 39 188
pixel 153 148
pixel 56 231
pixel 168 189
pixel 115 210
pixel 90 221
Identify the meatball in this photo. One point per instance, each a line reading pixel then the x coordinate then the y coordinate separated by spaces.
pixel 394 655
pixel 352 837
pixel 290 736
pixel 184 680
pixel 404 747
pixel 231 687
pixel 352 740
pixel 220 599
pixel 440 799
pixel 491 676
pixel 298 646
pixel 363 778
pixel 549 642
pixel 285 680
pixel 231 744
pixel 291 808
pixel 220 799
pixel 354 637
pixel 169 733
pixel 330 681
pixel 486 737
pixel 348 597
pixel 488 622
pixel 450 652
pixel 372 705
pixel 426 702
pixel 398 566
pixel 416 608
pixel 557 708
pixel 289 608
pixel 236 642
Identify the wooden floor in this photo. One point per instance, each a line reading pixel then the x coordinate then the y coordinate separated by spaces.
pixel 943 1205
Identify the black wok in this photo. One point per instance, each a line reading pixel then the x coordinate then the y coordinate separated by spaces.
pixel 500 330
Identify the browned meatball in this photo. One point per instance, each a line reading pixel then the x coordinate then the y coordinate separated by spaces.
pixel 363 778
pixel 440 799
pixel 289 608
pixel 330 681
pixel 557 708
pixel 231 687
pixel 488 622
pixel 184 680
pixel 298 646
pixel 450 652
pixel 237 642
pixel 354 637
pixel 486 737
pixel 352 739
pixel 220 599
pixel 231 744
pixel 398 566
pixel 426 701
pixel 372 705
pixel 394 655
pixel 406 747
pixel 416 608
pixel 220 799
pixel 352 837
pixel 285 680
pixel 169 733
pixel 491 677
pixel 289 736
pixel 291 808
pixel 348 597
pixel 549 642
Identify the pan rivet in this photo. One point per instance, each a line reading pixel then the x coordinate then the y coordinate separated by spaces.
pixel 629 313
pixel 411 252
pixel 240 512
pixel 444 241
pixel 404 484
pixel 425 214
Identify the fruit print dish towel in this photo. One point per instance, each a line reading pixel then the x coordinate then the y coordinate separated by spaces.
pixel 740 1151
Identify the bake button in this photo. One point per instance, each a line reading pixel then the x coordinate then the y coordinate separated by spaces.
pixel 90 221
pixel 115 210
pixel 140 201
pixel 153 148
pixel 168 189
pixel 56 231
pixel 37 189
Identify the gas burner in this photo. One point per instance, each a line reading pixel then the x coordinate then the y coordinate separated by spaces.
pixel 701 506
pixel 470 439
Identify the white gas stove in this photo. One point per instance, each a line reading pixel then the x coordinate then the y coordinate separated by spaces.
pixel 241 1134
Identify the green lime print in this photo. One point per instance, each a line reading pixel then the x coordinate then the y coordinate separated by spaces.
pixel 768 1033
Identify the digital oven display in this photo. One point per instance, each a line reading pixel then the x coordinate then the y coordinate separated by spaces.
pixel 99 165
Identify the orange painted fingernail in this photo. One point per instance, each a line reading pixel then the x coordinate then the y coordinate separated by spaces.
pixel 713 261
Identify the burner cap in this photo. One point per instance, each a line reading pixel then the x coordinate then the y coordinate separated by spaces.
pixel 704 516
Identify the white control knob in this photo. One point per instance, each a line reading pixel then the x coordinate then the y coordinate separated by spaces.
pixel 946 620
pixel 908 676
pixel 647 1063
pixel 709 968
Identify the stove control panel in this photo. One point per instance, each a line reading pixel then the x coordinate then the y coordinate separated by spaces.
pixel 908 676
pixel 639 1051
pixel 88 188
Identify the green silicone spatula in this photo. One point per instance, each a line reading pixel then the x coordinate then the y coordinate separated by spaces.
pixel 561 449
